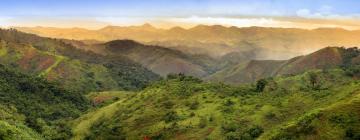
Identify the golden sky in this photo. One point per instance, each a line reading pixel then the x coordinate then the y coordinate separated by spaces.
pixel 94 14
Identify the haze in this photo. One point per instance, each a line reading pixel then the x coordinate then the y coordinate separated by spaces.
pixel 95 14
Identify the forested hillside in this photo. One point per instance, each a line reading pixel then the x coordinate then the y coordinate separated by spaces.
pixel 318 104
pixel 32 108
pixel 75 69
pixel 250 71
pixel 314 96
pixel 217 40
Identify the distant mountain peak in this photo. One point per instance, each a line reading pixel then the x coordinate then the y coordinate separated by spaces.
pixel 209 27
pixel 147 25
pixel 177 28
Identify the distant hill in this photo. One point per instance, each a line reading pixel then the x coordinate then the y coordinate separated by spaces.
pixel 163 60
pixel 216 41
pixel 74 68
pixel 160 60
pixel 330 57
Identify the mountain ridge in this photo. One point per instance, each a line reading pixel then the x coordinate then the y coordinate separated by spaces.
pixel 270 42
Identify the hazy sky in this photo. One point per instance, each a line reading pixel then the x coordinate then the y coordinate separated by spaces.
pixel 166 13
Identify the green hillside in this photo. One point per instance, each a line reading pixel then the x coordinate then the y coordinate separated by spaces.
pixel 75 69
pixel 32 108
pixel 250 71
pixel 43 81
pixel 305 106
pixel 217 40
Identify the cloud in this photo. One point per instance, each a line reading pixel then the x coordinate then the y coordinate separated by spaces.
pixel 263 22
pixel 325 12
pixel 240 22
pixel 5 21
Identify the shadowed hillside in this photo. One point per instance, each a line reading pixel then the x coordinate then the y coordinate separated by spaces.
pixel 160 60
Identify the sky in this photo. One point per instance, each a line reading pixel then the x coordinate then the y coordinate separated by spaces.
pixel 186 13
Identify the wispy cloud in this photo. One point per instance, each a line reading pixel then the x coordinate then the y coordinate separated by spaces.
pixel 325 12
pixel 260 21
pixel 5 21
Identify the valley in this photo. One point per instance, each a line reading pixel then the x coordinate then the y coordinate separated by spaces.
pixel 55 88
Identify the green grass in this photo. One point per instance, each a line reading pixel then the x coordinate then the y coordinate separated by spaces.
pixel 222 111
pixel 58 59
pixel 82 128
pixel 17 132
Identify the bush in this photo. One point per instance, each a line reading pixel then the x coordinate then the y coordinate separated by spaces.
pixel 202 122
pixel 314 81
pixel 255 131
pixel 194 105
pixel 351 134
pixel 229 127
pixel 168 104
pixel 260 85
pixel 229 102
pixel 170 117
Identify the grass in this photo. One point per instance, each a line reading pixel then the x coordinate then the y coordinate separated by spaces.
pixel 17 132
pixel 58 59
pixel 81 129
pixel 142 114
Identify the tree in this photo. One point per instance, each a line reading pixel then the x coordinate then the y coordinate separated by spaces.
pixel 314 80
pixel 171 116
pixel 260 85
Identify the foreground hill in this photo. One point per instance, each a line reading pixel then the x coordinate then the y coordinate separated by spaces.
pixel 330 57
pixel 74 68
pixel 216 41
pixel 313 105
pixel 32 108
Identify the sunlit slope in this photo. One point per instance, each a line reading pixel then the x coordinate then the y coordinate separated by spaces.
pixel 268 43
pixel 186 108
pixel 33 108
pixel 330 57
pixel 160 60
pixel 74 68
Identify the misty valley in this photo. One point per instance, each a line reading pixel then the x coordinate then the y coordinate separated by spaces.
pixel 222 76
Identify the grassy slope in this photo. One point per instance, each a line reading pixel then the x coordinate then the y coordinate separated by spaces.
pixel 254 70
pixel 75 69
pixel 17 132
pixel 162 61
pixel 32 102
pixel 12 125
pixel 184 108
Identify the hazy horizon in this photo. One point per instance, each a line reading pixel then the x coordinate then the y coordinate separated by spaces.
pixel 95 14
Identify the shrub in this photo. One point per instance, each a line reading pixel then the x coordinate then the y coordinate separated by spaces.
pixel 260 85
pixel 255 131
pixel 314 81
pixel 170 116
pixel 202 122
pixel 168 104
pixel 229 127
pixel 194 105
pixel 351 134
pixel 228 102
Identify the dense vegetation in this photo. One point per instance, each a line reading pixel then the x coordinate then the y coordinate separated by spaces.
pixel 75 69
pixel 32 102
pixel 316 96
pixel 305 106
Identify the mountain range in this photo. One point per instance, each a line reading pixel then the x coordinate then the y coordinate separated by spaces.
pixel 216 40
pixel 207 82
